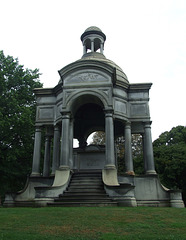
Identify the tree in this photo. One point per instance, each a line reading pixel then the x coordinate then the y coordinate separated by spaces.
pixel 17 114
pixel 98 138
pixel 170 158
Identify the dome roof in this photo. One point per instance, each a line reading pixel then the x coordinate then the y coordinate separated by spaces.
pixel 120 75
pixel 93 28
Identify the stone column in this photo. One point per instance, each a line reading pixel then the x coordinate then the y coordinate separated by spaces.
pixel 71 136
pixel 56 147
pixel 144 160
pixel 148 149
pixel 37 153
pixel 64 158
pixel 109 139
pixel 84 49
pixel 101 48
pixel 46 166
pixel 92 45
pixel 128 150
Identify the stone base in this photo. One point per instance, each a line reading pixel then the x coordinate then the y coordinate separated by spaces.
pixel 127 202
pixel 128 190
pixel 148 191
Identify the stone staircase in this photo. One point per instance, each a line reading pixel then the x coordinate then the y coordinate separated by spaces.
pixel 85 189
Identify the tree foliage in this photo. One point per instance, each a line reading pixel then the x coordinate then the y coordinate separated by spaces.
pixel 17 114
pixel 170 157
pixel 98 138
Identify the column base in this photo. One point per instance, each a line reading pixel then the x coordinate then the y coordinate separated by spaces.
pixel 64 167
pixel 35 174
pixel 110 167
pixel 150 172
pixel 130 173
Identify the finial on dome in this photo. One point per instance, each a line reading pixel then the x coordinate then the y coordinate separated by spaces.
pixel 93 39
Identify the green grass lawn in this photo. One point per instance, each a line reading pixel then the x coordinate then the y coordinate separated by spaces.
pixel 92 223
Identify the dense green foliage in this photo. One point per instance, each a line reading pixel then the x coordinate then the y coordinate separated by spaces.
pixel 83 223
pixel 17 115
pixel 170 158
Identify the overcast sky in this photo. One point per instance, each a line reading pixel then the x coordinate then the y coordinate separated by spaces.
pixel 146 38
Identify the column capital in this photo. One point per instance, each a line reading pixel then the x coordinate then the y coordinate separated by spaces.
pixel 127 124
pixel 66 114
pixel 56 127
pixel 147 124
pixel 48 137
pixel 37 129
pixel 108 112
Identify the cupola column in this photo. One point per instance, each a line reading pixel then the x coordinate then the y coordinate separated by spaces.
pixel 109 135
pixel 92 45
pixel 64 158
pixel 148 149
pixel 101 47
pixel 84 49
pixel 56 147
pixel 128 149
pixel 37 153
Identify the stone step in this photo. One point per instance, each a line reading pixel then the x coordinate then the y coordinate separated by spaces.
pixel 86 183
pixel 82 196
pixel 75 199
pixel 87 176
pixel 86 179
pixel 82 204
pixel 85 189
pixel 101 194
pixel 93 180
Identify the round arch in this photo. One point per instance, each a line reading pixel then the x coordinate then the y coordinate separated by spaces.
pixel 84 97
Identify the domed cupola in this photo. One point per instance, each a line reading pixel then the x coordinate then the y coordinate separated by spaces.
pixel 93 39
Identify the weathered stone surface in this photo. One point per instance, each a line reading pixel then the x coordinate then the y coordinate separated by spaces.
pixel 93 94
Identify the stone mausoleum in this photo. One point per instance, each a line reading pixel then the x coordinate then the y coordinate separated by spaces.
pixel 93 94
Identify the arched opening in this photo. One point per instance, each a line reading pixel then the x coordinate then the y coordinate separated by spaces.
pixel 87 45
pixel 97 44
pixel 86 98
pixel 88 118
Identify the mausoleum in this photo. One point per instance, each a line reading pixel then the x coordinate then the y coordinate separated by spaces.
pixel 93 94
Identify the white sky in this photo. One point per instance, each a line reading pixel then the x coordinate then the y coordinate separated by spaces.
pixel 146 38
